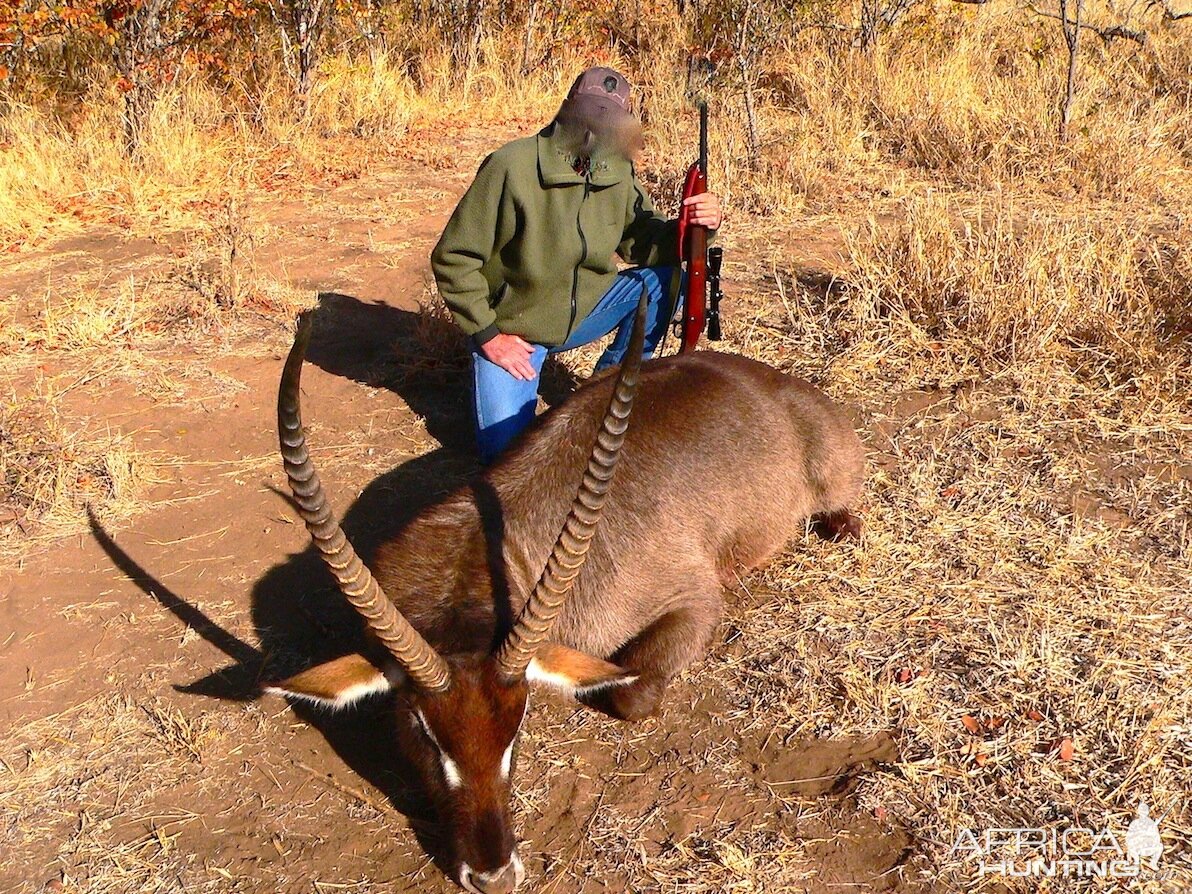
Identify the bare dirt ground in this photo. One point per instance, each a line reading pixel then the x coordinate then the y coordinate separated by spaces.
pixel 135 754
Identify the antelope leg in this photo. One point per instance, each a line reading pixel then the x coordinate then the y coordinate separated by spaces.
pixel 838 525
pixel 656 655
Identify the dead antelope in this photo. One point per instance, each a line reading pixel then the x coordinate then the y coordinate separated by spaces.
pixel 606 590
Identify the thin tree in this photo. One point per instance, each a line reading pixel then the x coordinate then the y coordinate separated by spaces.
pixel 747 64
pixel 300 27
pixel 1071 38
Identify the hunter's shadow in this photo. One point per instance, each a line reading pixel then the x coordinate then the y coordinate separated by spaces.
pixel 299 615
pixel 419 355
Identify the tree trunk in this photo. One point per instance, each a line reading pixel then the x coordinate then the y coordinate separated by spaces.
pixel 1072 39
pixel 745 52
pixel 139 40
pixel 528 43
pixel 867 35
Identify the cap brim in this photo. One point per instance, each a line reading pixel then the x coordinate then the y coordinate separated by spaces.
pixel 590 105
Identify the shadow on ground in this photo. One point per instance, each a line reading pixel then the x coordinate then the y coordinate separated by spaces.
pixel 299 616
pixel 420 356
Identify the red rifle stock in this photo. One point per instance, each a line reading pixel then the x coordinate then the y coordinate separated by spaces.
pixel 693 246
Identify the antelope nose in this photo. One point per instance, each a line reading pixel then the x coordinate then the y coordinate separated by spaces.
pixel 500 881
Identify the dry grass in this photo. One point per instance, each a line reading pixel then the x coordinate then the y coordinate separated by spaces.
pixel 49 472
pixel 121 838
pixel 209 285
pixel 1028 544
pixel 995 287
pixel 216 282
pixel 1015 340
pixel 955 97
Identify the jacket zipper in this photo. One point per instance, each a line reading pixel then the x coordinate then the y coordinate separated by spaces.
pixel 583 241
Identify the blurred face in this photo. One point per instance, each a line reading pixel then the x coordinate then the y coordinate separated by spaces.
pixel 594 126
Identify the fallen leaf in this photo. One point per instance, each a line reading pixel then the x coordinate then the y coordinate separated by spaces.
pixel 975 751
pixel 1067 749
pixel 971 723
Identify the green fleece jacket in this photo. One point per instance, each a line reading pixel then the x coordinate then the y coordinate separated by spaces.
pixel 529 249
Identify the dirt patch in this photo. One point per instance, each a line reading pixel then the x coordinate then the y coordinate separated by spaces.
pixel 864 853
pixel 817 767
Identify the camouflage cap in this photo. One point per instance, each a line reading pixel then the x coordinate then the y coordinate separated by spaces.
pixel 599 93
pixel 604 83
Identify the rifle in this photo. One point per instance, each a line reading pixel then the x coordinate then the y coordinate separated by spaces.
pixel 694 256
pixel 715 259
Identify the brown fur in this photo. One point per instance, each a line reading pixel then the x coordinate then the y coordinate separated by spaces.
pixel 724 461
pixel 328 682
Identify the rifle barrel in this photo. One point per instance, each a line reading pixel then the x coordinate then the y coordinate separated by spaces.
pixel 703 138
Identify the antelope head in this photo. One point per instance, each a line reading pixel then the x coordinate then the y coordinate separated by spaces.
pixel 460 715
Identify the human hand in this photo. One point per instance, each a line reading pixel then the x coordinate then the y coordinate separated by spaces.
pixel 512 354
pixel 704 210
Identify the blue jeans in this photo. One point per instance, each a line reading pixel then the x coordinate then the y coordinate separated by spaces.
pixel 505 405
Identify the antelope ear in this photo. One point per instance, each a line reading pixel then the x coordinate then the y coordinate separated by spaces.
pixel 336 684
pixel 574 672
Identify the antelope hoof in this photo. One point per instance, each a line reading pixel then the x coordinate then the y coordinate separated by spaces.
pixel 836 526
pixel 637 701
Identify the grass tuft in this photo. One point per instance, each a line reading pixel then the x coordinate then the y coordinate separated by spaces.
pixel 48 474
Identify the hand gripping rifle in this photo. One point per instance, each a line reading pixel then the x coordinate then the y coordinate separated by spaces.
pixel 701 265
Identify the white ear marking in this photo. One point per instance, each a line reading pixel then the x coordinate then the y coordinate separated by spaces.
pixel 606 684
pixel 344 699
pixel 507 761
pixel 536 673
pixel 450 771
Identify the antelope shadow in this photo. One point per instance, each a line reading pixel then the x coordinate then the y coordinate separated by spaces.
pixel 300 617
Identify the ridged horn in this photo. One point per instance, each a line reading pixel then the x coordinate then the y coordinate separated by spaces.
pixel 571 549
pixel 424 665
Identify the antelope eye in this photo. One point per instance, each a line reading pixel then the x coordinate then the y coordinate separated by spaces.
pixel 451 773
pixel 426 731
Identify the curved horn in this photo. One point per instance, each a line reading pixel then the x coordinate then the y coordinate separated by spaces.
pixel 424 665
pixel 571 549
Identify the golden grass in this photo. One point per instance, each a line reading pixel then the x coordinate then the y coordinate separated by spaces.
pixel 997 286
pixel 49 472
pixel 1026 390
pixel 956 96
pixel 1015 340
pixel 210 285
pixel 57 176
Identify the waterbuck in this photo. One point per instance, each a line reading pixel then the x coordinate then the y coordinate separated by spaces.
pixel 546 570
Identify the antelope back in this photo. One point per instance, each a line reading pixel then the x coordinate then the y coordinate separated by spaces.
pixel 725 459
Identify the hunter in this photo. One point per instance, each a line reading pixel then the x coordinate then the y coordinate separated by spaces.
pixel 526 262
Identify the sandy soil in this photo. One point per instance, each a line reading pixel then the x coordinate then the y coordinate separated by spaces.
pixel 137 753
